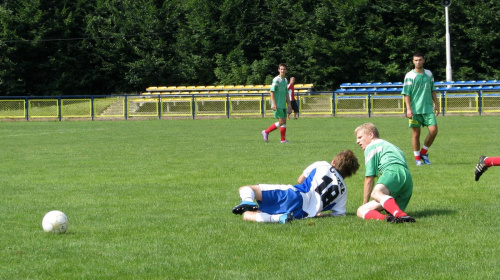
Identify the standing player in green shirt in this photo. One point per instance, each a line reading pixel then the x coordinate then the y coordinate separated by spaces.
pixel 394 186
pixel 422 106
pixel 280 100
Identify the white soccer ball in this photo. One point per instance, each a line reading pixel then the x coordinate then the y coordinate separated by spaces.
pixel 55 221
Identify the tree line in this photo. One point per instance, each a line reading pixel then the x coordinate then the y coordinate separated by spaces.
pixel 94 47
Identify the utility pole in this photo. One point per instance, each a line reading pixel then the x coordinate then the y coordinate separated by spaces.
pixel 446 4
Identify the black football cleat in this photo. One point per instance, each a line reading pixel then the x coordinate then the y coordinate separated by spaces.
pixel 391 219
pixel 480 168
pixel 245 206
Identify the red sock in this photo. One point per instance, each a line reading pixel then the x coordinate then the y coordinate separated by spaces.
pixel 417 158
pixel 271 128
pixel 283 133
pixel 391 207
pixel 492 161
pixel 374 214
pixel 423 152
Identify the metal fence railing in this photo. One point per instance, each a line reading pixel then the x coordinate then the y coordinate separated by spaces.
pixel 228 105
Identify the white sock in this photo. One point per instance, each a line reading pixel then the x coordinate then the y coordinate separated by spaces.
pixel 266 218
pixel 247 194
pixel 416 153
pixel 384 199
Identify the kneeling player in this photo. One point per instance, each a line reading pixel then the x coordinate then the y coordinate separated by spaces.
pixel 320 188
pixel 394 186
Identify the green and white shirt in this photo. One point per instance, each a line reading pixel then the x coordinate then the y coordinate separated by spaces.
pixel 379 155
pixel 419 87
pixel 280 89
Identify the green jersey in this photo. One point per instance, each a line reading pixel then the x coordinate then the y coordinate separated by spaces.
pixel 280 89
pixel 380 154
pixel 420 87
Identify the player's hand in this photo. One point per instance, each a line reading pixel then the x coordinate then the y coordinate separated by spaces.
pixel 273 107
pixel 409 113
pixel 436 110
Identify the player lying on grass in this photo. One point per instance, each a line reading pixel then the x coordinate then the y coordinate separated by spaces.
pixel 320 188
pixel 483 164
pixel 394 186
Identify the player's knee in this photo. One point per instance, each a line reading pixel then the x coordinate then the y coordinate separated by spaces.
pixel 434 132
pixel 361 211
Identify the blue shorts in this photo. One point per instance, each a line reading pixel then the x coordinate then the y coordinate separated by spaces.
pixel 279 199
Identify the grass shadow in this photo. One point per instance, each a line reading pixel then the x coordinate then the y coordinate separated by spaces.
pixel 432 212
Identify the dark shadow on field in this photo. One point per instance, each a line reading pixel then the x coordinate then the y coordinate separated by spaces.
pixel 431 212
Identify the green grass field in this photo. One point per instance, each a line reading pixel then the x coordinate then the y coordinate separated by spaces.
pixel 152 200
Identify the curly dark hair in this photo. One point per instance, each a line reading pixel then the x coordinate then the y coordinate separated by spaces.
pixel 346 163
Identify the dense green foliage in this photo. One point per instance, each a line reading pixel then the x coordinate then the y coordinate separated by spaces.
pixel 54 47
pixel 153 199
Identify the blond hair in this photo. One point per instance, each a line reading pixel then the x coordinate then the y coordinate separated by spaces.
pixel 367 128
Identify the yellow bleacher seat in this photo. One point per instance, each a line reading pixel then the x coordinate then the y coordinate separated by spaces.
pixel 219 89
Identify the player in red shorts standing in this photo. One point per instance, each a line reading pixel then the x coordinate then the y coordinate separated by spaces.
pixel 293 101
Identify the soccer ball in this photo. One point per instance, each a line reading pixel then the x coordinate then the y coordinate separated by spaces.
pixel 55 221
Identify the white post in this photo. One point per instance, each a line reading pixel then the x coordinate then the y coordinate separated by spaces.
pixel 448 52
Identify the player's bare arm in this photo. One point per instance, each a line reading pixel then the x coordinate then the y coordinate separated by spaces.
pixel 368 186
pixel 289 104
pixel 301 179
pixel 436 104
pixel 273 107
pixel 409 112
